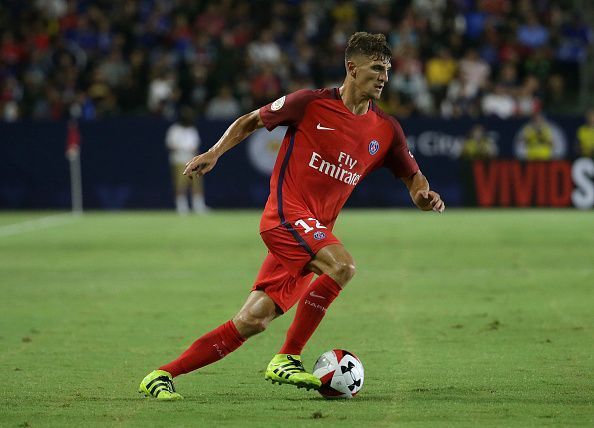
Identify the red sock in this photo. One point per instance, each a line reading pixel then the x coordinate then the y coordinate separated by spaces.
pixel 310 311
pixel 206 350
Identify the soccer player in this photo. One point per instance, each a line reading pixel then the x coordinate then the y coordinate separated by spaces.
pixel 335 138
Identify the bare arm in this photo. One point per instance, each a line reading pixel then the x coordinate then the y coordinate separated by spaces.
pixel 236 133
pixel 422 196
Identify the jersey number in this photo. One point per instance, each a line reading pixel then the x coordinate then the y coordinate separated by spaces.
pixel 306 227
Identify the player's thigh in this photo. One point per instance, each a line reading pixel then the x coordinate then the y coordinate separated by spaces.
pixel 284 288
pixel 295 244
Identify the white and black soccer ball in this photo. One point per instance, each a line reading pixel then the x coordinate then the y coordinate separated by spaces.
pixel 341 373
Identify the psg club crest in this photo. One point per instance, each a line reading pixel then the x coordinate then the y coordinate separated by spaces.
pixel 319 235
pixel 373 147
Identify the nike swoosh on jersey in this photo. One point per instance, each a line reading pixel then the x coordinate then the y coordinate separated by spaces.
pixel 313 294
pixel 323 128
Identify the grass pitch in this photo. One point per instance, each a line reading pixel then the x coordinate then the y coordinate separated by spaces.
pixel 470 318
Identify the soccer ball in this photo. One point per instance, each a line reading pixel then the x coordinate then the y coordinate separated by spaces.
pixel 341 373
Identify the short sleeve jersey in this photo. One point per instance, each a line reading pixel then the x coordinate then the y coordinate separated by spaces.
pixel 325 153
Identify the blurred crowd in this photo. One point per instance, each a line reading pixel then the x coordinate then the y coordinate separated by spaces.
pixel 102 58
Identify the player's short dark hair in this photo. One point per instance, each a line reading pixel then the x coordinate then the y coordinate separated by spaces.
pixel 371 45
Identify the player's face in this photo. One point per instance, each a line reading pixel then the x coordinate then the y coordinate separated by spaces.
pixel 371 76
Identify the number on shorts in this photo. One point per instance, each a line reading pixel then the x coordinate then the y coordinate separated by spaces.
pixel 306 227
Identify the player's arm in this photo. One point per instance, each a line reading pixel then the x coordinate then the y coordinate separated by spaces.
pixel 236 133
pixel 422 196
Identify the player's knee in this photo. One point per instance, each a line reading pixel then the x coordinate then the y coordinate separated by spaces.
pixel 343 272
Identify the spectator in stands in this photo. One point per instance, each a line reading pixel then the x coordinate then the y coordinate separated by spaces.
pixel 302 56
pixel 434 10
pixel 411 87
pixel 132 92
pixel 227 62
pixel 52 8
pixel 213 20
pixel 478 145
pixel 474 22
pixel 585 136
pixel 508 77
pixel 264 50
pixel 101 94
pixel 490 42
pixel 575 38
pixel 83 107
pixel 196 93
pixel 223 106
pixel 532 34
pixel 265 85
pixel 409 81
pixel 440 71
pixel 462 98
pixel 183 142
pixel 474 70
pixel 556 96
pixel 54 47
pixel 405 34
pixel 114 68
pixel 528 102
pixel 537 139
pixel 509 50
pixel 12 53
pixel 498 102
pixel 163 93
pixel 10 95
pixel 539 64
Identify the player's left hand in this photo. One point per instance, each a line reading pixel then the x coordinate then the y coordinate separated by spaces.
pixel 428 200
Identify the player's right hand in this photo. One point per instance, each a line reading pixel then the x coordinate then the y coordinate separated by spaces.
pixel 200 165
pixel 428 200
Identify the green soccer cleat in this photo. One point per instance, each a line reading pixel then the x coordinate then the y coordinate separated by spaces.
pixel 287 368
pixel 159 384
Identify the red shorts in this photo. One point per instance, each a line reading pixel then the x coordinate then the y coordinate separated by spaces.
pixel 285 290
pixel 282 274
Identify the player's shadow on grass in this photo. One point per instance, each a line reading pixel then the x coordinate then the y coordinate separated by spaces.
pixel 358 399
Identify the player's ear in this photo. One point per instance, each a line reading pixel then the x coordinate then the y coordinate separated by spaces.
pixel 351 68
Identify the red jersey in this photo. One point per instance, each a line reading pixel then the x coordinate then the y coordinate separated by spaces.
pixel 325 153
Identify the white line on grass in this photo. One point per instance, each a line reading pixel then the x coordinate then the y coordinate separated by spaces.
pixel 36 224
